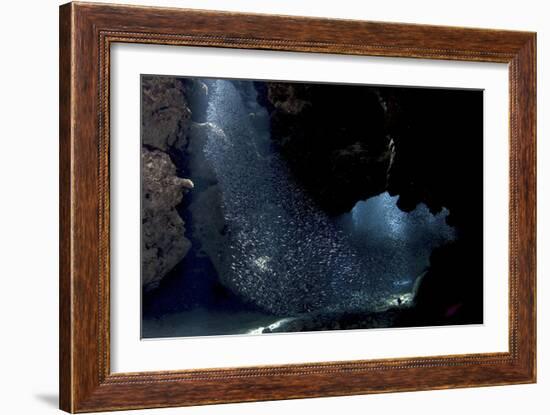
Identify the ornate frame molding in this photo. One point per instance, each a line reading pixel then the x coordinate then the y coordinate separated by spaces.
pixel 86 33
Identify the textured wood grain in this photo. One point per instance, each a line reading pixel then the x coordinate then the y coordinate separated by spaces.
pixel 86 33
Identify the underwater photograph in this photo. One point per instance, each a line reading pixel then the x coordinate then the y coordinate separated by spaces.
pixel 279 207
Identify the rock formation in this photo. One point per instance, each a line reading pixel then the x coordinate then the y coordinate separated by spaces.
pixel 163 241
pixel 165 130
pixel 165 113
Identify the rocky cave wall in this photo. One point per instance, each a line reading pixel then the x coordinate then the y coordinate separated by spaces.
pixel 166 126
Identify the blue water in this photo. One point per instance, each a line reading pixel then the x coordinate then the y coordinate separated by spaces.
pixel 398 243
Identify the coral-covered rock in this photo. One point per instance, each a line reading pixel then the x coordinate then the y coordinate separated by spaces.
pixel 166 115
pixel 163 240
pixel 166 124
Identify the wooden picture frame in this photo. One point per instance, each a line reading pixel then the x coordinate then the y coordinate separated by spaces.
pixel 86 33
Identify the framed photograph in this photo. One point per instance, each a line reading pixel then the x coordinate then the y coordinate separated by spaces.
pixel 258 207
